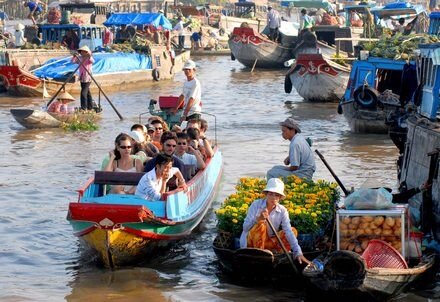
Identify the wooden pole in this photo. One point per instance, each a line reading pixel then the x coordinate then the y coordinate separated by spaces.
pixel 255 63
pixel 62 86
pixel 333 173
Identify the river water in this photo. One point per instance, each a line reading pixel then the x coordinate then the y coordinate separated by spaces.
pixel 40 258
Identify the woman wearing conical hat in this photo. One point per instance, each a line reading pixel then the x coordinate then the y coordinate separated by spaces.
pixel 61 104
pixel 85 70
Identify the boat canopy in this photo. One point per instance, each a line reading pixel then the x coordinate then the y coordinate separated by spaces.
pixel 155 19
pixel 306 3
pixel 59 68
pixel 397 10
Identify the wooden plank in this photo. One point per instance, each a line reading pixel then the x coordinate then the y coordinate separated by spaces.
pixel 118 178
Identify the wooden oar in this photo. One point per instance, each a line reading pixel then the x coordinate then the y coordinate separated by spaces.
pixel 286 252
pixel 62 86
pixel 333 173
pixel 105 95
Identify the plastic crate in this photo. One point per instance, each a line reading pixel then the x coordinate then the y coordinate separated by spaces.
pixel 169 102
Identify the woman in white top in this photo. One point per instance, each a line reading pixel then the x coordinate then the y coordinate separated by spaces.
pixel 121 161
pixel 256 232
pixel 154 183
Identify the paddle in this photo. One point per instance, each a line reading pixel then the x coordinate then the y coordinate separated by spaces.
pixel 105 95
pixel 333 173
pixel 286 252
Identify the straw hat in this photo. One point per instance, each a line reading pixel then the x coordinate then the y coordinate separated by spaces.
pixel 291 124
pixel 85 48
pixel 19 26
pixel 66 96
pixel 275 185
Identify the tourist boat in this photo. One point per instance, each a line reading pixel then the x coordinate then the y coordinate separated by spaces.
pixel 113 71
pixel 374 90
pixel 38 119
pixel 344 274
pixel 254 50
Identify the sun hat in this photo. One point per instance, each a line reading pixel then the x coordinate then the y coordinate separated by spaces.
pixel 19 26
pixel 291 123
pixel 85 48
pixel 189 65
pixel 137 136
pixel 66 96
pixel 275 185
pixel 150 128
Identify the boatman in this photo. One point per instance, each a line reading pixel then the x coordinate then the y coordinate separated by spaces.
pixel 85 60
pixel 300 161
pixel 274 22
pixel 191 95
pixel 306 22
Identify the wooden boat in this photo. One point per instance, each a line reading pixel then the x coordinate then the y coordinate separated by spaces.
pixel 345 273
pixel 374 91
pixel 124 229
pixel 254 263
pixel 239 15
pixel 254 50
pixel 20 82
pixel 35 119
pixel 317 79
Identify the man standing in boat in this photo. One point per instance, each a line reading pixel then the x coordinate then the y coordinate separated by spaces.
pixel 274 22
pixel 86 61
pixel 191 94
pixel 306 22
pixel 300 161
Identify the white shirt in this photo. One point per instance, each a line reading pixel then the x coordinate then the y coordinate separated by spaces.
pixel 179 27
pixel 149 186
pixel 19 38
pixel 188 159
pixel 193 89
pixel 278 216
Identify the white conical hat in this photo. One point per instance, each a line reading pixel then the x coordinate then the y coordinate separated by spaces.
pixel 66 96
pixel 85 48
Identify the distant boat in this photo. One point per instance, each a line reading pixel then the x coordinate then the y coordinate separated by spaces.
pixel 111 70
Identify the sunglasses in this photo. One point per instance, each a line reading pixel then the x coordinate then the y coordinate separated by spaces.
pixel 180 144
pixel 158 129
pixel 125 147
pixel 168 145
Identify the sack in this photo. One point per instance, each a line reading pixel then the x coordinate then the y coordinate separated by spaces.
pixel 369 199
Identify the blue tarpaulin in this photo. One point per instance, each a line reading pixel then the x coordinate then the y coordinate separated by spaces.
pixel 58 68
pixel 155 19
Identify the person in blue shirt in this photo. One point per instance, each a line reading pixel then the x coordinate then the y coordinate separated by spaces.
pixel 35 9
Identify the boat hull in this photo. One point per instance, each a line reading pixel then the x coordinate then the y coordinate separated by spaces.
pixel 124 229
pixel 37 119
pixel 21 83
pixel 318 80
pixel 252 50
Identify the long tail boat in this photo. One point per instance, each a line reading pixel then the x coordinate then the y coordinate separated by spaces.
pixel 125 229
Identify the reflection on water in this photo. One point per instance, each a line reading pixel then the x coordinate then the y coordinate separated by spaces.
pixel 41 169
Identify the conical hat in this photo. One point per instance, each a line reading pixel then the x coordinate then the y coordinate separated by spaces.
pixel 19 26
pixel 85 48
pixel 66 96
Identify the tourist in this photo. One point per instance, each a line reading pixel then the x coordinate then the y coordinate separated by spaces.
pixel 256 231
pixel 188 155
pixel 120 160
pixel 86 61
pixel 19 35
pixel 205 148
pixel 60 105
pixel 35 9
pixel 157 134
pixel 179 28
pixel 191 94
pixel 169 144
pixel 274 23
pixel 300 161
pixel 154 183
pixel 146 145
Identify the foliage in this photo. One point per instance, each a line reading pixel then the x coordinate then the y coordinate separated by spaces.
pixel 82 124
pixel 310 204
pixel 397 47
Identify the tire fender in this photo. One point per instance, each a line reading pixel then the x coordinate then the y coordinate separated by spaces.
pixel 156 74
pixel 366 97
